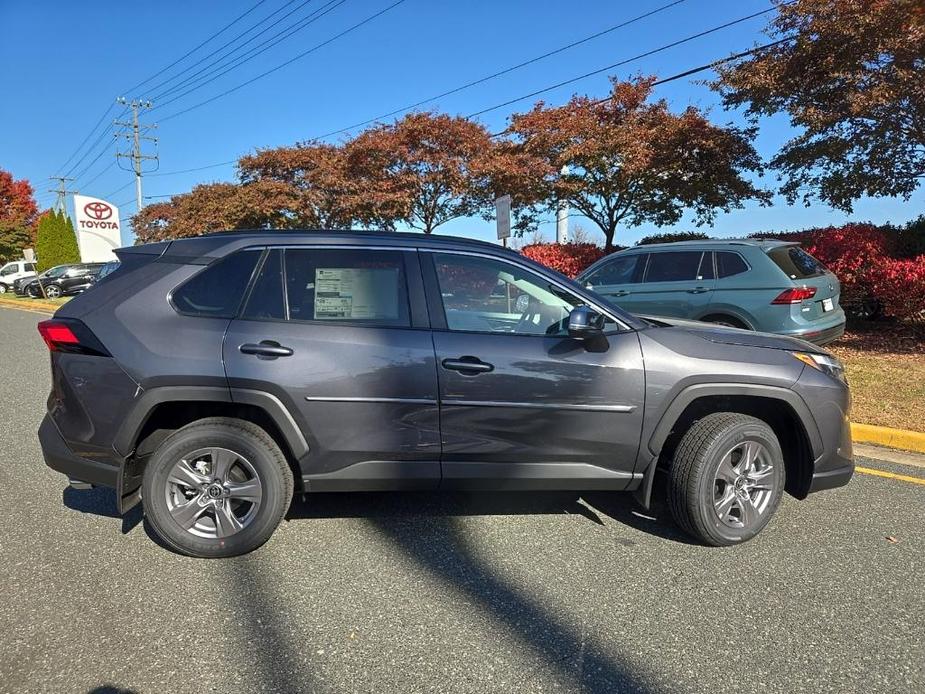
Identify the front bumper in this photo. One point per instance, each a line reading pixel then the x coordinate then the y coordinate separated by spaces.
pixel 62 459
pixel 829 401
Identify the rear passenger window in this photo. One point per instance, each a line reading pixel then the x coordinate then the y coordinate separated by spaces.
pixel 266 300
pixel 729 264
pixel 674 266
pixel 346 285
pixel 217 291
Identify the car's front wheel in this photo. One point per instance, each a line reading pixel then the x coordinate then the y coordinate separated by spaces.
pixel 3 288
pixel 726 479
pixel 218 487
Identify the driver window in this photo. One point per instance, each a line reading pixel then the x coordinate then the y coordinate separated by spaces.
pixel 486 295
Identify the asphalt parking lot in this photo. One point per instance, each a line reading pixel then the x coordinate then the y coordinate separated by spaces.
pixel 450 593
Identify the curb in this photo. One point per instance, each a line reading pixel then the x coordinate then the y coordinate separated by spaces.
pixel 28 306
pixel 885 436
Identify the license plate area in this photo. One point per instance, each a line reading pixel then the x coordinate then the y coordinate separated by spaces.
pixel 828 305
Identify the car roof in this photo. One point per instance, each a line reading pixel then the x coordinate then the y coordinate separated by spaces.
pixel 711 244
pixel 223 242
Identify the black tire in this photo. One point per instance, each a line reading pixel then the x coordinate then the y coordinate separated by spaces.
pixel 695 482
pixel 3 288
pixel 52 292
pixel 265 460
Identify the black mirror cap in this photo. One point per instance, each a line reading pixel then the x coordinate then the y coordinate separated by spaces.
pixel 585 322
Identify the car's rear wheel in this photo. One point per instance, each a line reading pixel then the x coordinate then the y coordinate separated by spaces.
pixel 726 479
pixel 52 292
pixel 217 488
pixel 726 321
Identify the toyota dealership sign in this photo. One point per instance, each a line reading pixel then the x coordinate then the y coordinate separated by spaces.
pixel 98 229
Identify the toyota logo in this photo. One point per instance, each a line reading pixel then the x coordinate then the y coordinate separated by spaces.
pixel 98 210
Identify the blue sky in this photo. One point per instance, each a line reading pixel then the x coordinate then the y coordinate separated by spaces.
pixel 65 62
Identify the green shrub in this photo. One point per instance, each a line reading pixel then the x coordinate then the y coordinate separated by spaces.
pixel 672 236
pixel 55 241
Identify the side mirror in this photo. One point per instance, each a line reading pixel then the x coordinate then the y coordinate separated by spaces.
pixel 584 322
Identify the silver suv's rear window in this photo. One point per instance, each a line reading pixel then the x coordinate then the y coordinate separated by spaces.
pixel 796 263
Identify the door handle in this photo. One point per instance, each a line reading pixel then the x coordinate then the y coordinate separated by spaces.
pixel 266 348
pixel 698 290
pixel 621 292
pixel 472 365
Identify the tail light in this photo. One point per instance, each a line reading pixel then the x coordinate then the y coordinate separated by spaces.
pixel 795 295
pixel 72 336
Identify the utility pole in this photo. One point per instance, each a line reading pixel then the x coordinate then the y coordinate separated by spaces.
pixel 61 191
pixel 134 133
pixel 562 215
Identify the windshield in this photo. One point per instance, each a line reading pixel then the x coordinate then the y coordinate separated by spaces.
pixel 56 271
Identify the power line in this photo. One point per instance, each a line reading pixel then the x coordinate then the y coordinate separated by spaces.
pixel 226 45
pixel 197 168
pixel 665 47
pixel 193 50
pixel 104 170
pixel 507 70
pixel 237 61
pixel 284 64
pixel 89 134
pixel 133 132
pixel 118 190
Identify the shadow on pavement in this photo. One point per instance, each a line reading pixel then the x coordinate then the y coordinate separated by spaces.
pixel 440 546
pixel 100 502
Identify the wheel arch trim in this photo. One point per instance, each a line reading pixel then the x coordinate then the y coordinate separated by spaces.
pixel 696 391
pixel 141 411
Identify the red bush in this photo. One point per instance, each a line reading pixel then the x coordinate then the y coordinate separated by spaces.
pixel 899 284
pixel 568 258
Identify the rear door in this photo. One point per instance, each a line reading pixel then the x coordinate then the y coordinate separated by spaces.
pixel 522 405
pixel 339 335
pixel 676 284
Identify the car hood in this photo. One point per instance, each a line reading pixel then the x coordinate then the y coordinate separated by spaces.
pixel 735 336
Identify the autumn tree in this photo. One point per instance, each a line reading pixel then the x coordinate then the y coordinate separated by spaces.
pixel 18 213
pixel 629 160
pixel 313 186
pixel 55 241
pixel 851 79
pixel 211 207
pixel 425 170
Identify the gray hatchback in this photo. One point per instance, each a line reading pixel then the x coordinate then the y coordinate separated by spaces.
pixel 756 284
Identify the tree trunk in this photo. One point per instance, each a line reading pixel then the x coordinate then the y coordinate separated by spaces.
pixel 608 236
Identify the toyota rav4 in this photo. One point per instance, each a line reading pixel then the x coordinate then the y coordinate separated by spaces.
pixel 212 378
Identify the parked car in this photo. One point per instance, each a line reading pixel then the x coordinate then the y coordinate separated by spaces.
pixel 107 269
pixel 15 270
pixel 765 285
pixel 64 280
pixel 212 377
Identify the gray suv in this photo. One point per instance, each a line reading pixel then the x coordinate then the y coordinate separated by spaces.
pixel 756 284
pixel 212 378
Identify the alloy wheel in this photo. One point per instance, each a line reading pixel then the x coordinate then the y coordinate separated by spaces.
pixel 744 485
pixel 213 493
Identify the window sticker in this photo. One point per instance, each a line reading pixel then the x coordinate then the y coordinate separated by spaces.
pixel 356 293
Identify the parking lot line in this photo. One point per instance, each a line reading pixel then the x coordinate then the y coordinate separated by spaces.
pixel 890 475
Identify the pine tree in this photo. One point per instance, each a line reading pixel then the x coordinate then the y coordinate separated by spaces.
pixel 55 242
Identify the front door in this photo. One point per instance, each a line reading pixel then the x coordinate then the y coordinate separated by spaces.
pixel 331 333
pixel 522 405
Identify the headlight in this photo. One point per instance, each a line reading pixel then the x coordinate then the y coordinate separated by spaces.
pixel 824 363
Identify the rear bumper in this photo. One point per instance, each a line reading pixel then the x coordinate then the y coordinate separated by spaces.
pixel 822 337
pixel 62 459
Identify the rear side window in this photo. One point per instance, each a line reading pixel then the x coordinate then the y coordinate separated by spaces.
pixel 217 291
pixel 30 267
pixel 332 285
pixel 617 270
pixel 675 266
pixel 729 264
pixel 796 263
